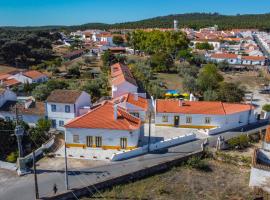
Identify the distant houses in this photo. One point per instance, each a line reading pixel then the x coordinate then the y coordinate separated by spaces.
pixel 32 76
pixel 65 105
pixel 73 55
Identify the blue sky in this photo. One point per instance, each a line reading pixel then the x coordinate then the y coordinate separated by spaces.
pixel 70 12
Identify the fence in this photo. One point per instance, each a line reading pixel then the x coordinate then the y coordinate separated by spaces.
pixel 153 147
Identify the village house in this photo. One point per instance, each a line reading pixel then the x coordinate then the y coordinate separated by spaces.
pixel 253 60
pixel 134 104
pixel 65 105
pixel 106 127
pixel 212 117
pixel 73 55
pixel 227 57
pixel 122 81
pixel 216 43
pixel 6 95
pixel 32 76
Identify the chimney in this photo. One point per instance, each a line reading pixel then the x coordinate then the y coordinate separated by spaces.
pixel 115 112
pixel 180 102
pixel 136 96
pixel 191 97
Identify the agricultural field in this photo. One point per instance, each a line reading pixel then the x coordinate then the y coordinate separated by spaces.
pixel 6 69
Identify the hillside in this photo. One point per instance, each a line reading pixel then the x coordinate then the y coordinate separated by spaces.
pixel 192 20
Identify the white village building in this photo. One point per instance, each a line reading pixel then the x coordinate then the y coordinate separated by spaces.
pixel 32 76
pixel 210 117
pixel 122 81
pixel 106 127
pixel 65 105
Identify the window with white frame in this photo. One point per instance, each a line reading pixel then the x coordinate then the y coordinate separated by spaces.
pixel 61 123
pixel 207 120
pixel 53 108
pixel 188 119
pixel 98 141
pixel 76 139
pixel 67 108
pixel 164 118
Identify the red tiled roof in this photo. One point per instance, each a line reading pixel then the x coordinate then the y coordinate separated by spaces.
pixel 11 82
pixel 121 73
pixel 33 74
pixel 64 96
pixel 130 98
pixel 102 117
pixel 4 76
pixel 224 56
pixel 200 107
pixel 254 58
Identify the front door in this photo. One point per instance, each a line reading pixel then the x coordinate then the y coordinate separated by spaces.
pixel 176 121
pixel 123 143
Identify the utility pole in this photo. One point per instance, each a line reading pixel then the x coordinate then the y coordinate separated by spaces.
pixel 66 167
pixel 35 175
pixel 250 110
pixel 149 132
pixel 19 133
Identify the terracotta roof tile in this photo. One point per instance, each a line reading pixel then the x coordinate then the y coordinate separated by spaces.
pixel 121 73
pixel 224 56
pixel 267 135
pixel 254 58
pixel 11 82
pixel 33 74
pixel 200 107
pixel 102 117
pixel 64 96
pixel 130 98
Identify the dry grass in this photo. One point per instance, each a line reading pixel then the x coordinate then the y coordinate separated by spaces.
pixel 6 69
pixel 171 81
pixel 225 181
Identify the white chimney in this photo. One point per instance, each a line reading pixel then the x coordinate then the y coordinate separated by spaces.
pixel 180 102
pixel 136 96
pixel 191 97
pixel 115 112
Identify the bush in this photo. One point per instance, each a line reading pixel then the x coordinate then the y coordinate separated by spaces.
pixel 197 162
pixel 12 157
pixel 239 142
pixel 266 107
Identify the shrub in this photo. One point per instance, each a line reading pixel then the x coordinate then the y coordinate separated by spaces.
pixel 266 107
pixel 12 157
pixel 239 142
pixel 197 162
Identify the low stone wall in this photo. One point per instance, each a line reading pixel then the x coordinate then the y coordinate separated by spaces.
pixel 153 147
pixel 131 177
pixel 8 166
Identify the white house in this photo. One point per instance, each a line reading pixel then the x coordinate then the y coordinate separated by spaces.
pixel 32 76
pixel 123 81
pixel 227 57
pixel 213 117
pixel 253 60
pixel 65 105
pixel 105 127
pixel 6 95
pixel 134 104
pixel 216 43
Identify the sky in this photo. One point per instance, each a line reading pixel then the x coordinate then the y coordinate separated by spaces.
pixel 75 12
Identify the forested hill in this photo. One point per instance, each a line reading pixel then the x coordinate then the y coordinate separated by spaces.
pixel 192 20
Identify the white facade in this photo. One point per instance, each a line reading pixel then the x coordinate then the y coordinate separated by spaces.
pixel 61 113
pixel 111 139
pixel 216 44
pixel 203 121
pixel 123 88
pixel 24 79
pixel 7 95
pixel 30 119
pixel 134 110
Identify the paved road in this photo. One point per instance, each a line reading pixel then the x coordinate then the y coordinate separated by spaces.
pixel 22 188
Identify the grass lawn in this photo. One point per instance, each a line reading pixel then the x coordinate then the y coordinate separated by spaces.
pixel 171 81
pixel 223 181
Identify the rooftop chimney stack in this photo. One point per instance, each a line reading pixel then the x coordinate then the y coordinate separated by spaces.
pixel 115 112
pixel 175 25
pixel 181 102
pixel 136 96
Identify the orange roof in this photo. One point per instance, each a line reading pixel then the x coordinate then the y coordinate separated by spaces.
pixel 102 117
pixel 267 134
pixel 11 82
pixel 4 76
pixel 121 73
pixel 232 39
pixel 33 74
pixel 254 58
pixel 200 107
pixel 224 56
pixel 130 98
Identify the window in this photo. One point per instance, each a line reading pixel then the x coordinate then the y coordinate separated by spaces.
pixel 67 109
pixel 53 108
pixel 53 123
pixel 188 120
pixel 89 141
pixel 123 143
pixel 7 119
pixel 135 114
pixel 164 118
pixel 98 141
pixel 207 120
pixel 61 123
pixel 76 138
